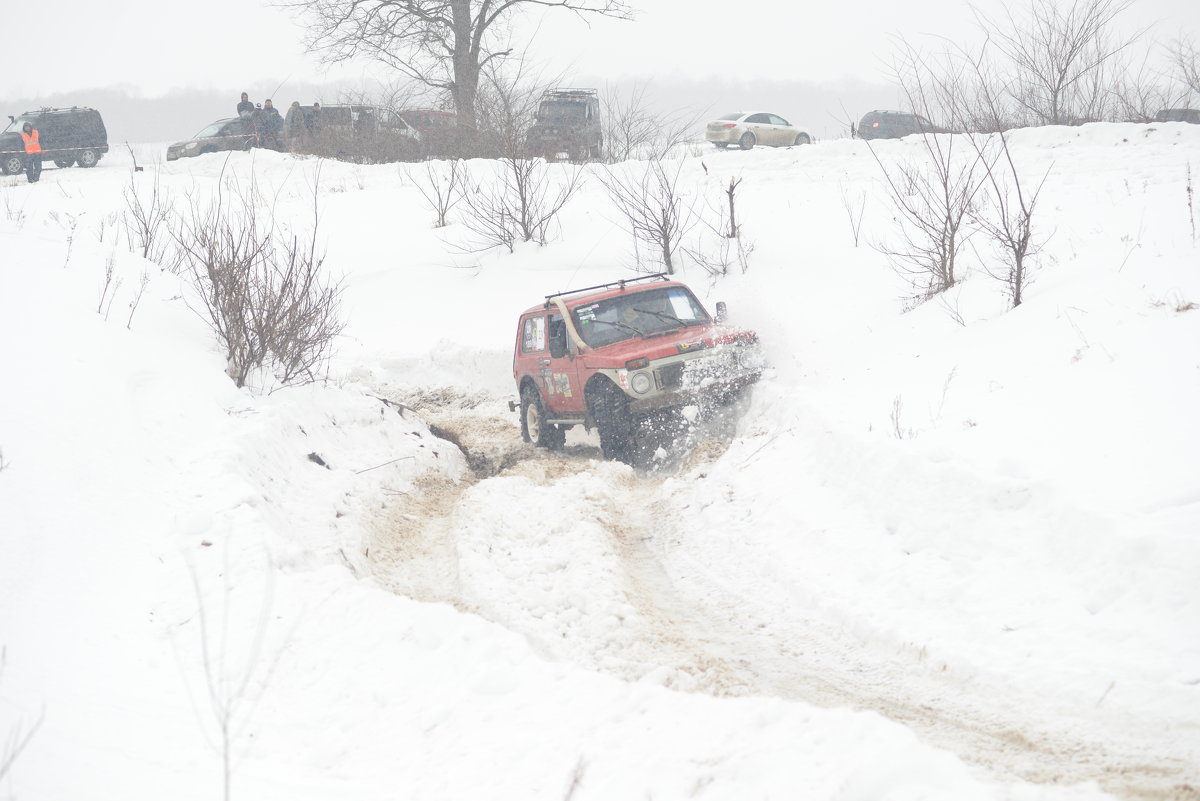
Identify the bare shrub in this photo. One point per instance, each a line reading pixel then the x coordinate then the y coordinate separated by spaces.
pixel 108 289
pixel 721 245
pixel 520 205
pixel 1191 207
pixel 933 199
pixel 855 207
pixel 238 670
pixel 634 128
pixel 136 300
pixel 19 736
pixel 442 188
pixel 147 220
pixel 647 195
pixel 260 289
pixel 934 195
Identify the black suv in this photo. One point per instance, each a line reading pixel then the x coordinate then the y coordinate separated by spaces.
pixel 894 124
pixel 68 136
pixel 568 120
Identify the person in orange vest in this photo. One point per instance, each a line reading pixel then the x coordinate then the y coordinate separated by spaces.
pixel 33 152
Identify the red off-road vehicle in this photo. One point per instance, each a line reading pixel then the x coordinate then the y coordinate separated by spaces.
pixel 610 356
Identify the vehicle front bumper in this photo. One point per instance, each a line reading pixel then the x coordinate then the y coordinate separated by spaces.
pixel 713 373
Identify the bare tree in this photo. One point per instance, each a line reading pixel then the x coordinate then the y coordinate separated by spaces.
pixel 1058 56
pixel 1139 92
pixel 1011 226
pixel 1186 57
pixel 635 128
pixel 444 44
pixel 648 197
pixel 520 205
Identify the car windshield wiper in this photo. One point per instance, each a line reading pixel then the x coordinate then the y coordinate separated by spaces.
pixel 621 325
pixel 664 316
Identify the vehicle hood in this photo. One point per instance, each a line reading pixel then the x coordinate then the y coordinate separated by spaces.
pixel 673 343
pixel 11 141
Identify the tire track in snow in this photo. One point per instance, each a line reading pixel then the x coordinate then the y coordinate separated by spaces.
pixel 688 629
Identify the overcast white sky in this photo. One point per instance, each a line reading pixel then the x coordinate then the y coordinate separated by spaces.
pixel 154 46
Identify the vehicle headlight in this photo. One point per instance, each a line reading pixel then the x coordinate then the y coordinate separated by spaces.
pixel 640 383
pixel 191 146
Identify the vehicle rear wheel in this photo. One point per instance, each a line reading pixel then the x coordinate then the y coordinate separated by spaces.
pixel 88 157
pixel 803 139
pixel 534 427
pixel 610 410
pixel 12 164
pixel 63 163
pixel 747 141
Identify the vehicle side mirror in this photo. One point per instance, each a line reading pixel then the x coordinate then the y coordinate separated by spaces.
pixel 722 311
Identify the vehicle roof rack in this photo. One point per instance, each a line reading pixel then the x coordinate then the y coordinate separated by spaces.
pixel 568 92
pixel 618 284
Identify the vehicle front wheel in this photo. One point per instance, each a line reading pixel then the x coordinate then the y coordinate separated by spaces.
pixel 610 410
pixel 721 145
pixel 12 164
pixel 803 139
pixel 747 141
pixel 88 158
pixel 63 163
pixel 534 426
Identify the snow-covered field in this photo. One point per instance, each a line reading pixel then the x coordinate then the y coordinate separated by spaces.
pixel 946 554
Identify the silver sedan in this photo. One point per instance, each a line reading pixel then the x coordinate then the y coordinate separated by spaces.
pixel 749 128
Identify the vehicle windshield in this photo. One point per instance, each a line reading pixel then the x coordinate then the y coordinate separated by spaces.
pixel 561 109
pixel 211 130
pixel 646 313
pixel 16 125
pixel 737 115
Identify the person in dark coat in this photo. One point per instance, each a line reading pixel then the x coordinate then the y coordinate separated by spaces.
pixel 245 106
pixel 293 125
pixel 271 126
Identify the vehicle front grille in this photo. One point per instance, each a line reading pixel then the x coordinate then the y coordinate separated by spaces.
pixel 669 376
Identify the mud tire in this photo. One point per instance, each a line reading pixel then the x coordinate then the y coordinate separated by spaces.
pixel 615 424
pixel 534 428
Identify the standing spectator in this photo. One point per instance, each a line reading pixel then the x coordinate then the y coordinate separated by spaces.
pixel 256 126
pixel 293 125
pixel 33 152
pixel 272 125
pixel 245 106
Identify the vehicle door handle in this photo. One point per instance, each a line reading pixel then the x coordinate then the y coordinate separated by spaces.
pixel 545 362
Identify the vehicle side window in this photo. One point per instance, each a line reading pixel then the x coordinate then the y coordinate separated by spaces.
pixel 558 337
pixel 760 118
pixel 778 120
pixel 533 335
